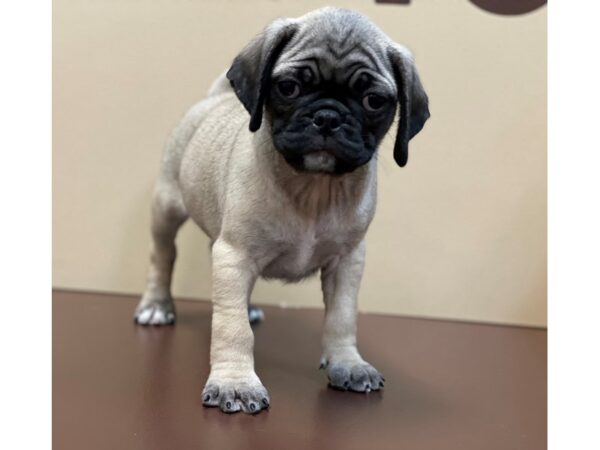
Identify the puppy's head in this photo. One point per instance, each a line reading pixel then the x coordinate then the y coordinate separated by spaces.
pixel 329 84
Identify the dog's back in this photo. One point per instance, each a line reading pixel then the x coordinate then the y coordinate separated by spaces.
pixel 220 93
pixel 203 139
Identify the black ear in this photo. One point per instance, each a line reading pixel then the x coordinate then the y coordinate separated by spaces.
pixel 250 73
pixel 413 101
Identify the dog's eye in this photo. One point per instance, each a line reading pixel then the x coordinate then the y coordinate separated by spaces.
pixel 288 88
pixel 373 102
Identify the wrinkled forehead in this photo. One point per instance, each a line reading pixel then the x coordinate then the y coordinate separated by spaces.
pixel 337 57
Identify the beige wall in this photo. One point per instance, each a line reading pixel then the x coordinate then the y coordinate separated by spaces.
pixel 459 233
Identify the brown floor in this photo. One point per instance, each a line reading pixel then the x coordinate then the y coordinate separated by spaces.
pixel 449 385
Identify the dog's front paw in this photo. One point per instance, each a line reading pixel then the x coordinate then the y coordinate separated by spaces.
pixel 353 376
pixel 234 394
pixel 155 313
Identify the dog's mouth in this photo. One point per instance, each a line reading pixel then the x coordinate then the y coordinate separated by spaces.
pixel 321 154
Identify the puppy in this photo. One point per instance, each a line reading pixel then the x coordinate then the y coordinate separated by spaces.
pixel 277 167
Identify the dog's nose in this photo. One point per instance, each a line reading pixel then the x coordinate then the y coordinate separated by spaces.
pixel 327 120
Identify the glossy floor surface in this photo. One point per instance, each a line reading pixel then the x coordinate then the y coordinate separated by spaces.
pixel 449 385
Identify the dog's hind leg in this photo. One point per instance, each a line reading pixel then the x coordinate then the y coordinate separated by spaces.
pixel 168 214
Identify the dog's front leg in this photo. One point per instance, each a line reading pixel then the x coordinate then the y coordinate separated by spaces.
pixel 232 384
pixel 345 367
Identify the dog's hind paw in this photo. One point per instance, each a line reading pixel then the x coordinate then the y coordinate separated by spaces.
pixel 255 314
pixel 155 313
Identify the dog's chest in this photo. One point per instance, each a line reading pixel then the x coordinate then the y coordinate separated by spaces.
pixel 329 218
pixel 305 251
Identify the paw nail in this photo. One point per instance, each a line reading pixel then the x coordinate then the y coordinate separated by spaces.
pixel 228 405
pixel 346 384
pixel 252 406
pixel 381 384
pixel 265 402
pixel 207 397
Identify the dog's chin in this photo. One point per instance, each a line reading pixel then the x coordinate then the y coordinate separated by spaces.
pixel 319 161
pixel 323 162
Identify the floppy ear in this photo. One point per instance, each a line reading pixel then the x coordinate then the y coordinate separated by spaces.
pixel 250 73
pixel 414 104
